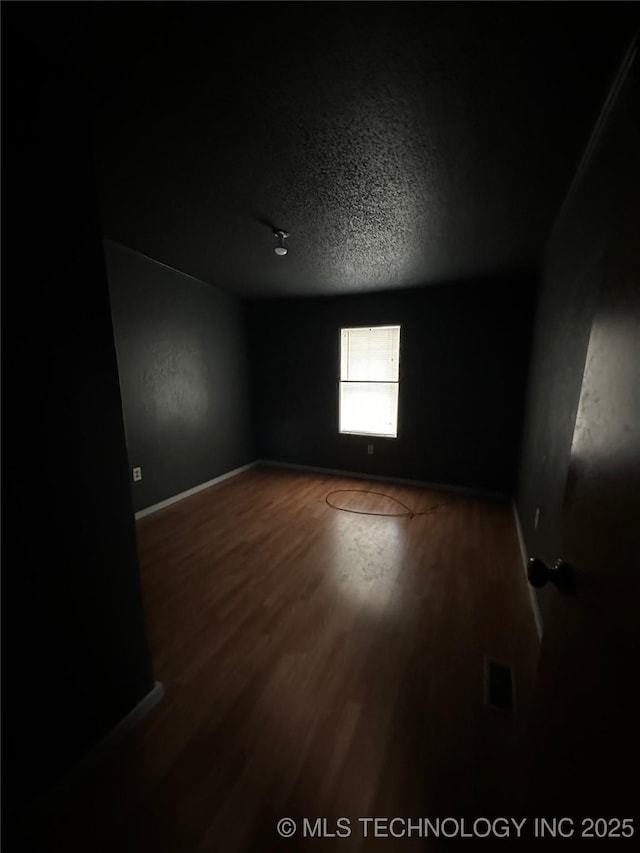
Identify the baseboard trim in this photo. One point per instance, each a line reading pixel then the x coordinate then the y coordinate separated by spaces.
pixel 137 713
pixel 74 776
pixel 359 475
pixel 155 507
pixel 525 559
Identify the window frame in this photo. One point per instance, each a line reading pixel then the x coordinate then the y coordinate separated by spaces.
pixel 397 382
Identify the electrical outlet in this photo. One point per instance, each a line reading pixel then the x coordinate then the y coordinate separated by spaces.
pixel 370 449
pixel 536 518
pixel 137 474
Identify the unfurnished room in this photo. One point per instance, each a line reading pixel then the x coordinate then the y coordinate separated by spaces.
pixel 321 425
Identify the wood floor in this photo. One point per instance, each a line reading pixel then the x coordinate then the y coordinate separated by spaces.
pixel 316 663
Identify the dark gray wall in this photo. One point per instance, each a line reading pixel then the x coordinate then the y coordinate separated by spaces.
pixel 75 655
pixel 583 724
pixel 463 364
pixel 585 255
pixel 183 367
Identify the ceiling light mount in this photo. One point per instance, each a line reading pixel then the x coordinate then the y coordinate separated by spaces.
pixel 281 236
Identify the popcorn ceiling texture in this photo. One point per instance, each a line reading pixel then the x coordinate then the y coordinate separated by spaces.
pixel 399 144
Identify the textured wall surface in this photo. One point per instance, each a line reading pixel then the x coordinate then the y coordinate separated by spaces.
pixel 584 416
pixel 593 244
pixel 183 373
pixel 463 363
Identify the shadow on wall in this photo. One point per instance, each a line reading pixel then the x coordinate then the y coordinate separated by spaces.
pixel 184 375
pixel 463 370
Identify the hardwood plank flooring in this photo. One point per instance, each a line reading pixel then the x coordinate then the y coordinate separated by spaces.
pixel 317 663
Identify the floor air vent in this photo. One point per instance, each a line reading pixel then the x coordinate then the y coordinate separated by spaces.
pixel 498 685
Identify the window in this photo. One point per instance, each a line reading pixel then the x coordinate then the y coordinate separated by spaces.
pixel 369 362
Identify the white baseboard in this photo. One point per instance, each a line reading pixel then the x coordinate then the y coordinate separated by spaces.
pixel 155 507
pixel 359 475
pixel 523 552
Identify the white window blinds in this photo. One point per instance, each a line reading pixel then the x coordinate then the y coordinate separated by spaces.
pixel 369 374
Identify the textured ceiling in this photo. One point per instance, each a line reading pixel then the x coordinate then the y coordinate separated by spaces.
pixel 400 144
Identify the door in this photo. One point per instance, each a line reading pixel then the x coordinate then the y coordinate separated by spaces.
pixel 583 737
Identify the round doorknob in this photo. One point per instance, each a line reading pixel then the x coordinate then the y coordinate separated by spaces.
pixel 561 573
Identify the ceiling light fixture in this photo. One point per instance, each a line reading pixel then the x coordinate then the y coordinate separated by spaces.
pixel 281 249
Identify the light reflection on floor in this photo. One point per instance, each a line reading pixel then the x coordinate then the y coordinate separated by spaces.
pixel 367 557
